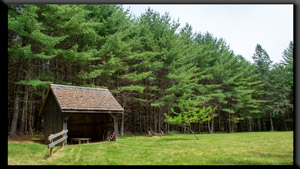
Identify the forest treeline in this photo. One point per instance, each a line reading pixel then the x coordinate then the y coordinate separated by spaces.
pixel 148 63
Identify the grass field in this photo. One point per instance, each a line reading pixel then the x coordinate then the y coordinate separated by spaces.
pixel 252 148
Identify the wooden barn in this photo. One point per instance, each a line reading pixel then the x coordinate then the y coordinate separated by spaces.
pixel 88 112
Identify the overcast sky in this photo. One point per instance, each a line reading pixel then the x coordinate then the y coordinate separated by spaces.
pixel 242 26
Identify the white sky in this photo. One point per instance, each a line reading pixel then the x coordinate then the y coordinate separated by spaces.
pixel 242 26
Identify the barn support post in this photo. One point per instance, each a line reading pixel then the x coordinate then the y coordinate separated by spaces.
pixel 116 131
pixel 122 124
pixel 51 149
pixel 64 128
pixel 116 128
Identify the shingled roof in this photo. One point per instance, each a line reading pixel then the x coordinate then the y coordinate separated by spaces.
pixel 84 99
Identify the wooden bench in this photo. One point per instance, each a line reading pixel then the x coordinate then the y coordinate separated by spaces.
pixel 79 140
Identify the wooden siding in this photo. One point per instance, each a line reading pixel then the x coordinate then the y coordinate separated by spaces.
pixel 53 117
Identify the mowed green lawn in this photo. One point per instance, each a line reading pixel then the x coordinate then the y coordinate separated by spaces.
pixel 252 148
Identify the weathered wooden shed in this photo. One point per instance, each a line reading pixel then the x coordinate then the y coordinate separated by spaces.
pixel 89 112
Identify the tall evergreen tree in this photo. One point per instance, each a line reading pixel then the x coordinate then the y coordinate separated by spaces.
pixel 263 64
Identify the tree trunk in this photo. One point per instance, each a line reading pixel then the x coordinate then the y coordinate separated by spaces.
pixel 250 127
pixel 168 125
pixel 25 101
pixel 229 123
pixel 210 126
pixel 149 117
pixel 31 120
pixel 225 124
pixel 159 129
pixel 140 119
pixel 189 128
pixel 284 128
pixel 154 120
pixel 14 122
pixel 262 124
pixel 256 124
pixel 13 128
pixel 289 127
pixel 24 111
pixel 271 121
pixel 26 126
pixel 133 124
pixel 239 126
pixel 219 125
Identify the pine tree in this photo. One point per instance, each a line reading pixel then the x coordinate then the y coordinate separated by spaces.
pixel 281 78
pixel 288 56
pixel 262 64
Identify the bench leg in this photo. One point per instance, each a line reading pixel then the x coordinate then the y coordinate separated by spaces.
pixel 79 141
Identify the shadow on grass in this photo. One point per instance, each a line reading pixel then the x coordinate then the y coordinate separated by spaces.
pixel 237 162
pixel 176 139
pixel 271 159
pixel 231 161
pixel 54 151
pixel 283 155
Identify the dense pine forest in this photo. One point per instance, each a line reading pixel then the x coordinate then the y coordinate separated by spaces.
pixel 148 63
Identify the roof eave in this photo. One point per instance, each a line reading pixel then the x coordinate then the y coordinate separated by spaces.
pixel 92 111
pixel 46 97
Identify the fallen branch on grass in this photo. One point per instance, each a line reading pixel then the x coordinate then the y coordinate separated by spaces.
pixel 159 134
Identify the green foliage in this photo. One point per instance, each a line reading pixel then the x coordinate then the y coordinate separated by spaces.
pixel 288 56
pixel 34 83
pixel 261 59
pixel 93 86
pixel 136 88
pixel 134 77
pixel 190 113
pixel 39 87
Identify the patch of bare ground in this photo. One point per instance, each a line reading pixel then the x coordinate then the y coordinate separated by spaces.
pixel 26 139
pixel 94 142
